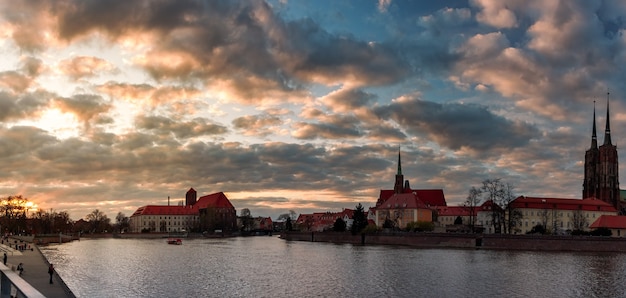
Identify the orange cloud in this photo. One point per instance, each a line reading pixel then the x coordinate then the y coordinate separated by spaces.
pixel 83 66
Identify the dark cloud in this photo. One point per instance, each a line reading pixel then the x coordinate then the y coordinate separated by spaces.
pixel 180 129
pixel 347 100
pixel 85 106
pixel 333 127
pixel 15 107
pixel 260 125
pixel 458 125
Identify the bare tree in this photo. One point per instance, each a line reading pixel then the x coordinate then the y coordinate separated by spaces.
pixel 513 217
pixel 579 221
pixel 13 209
pixel 121 222
pixel 471 202
pixel 246 220
pixel 98 220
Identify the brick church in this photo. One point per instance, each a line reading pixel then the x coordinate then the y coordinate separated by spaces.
pixel 601 179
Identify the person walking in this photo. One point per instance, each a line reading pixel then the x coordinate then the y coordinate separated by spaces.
pixel 51 271
pixel 20 268
pixel 5 259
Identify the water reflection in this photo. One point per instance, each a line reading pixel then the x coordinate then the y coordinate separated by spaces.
pixel 271 267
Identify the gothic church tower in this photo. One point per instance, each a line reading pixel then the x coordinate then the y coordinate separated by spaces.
pixel 601 179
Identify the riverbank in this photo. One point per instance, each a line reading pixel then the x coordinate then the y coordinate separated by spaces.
pixel 469 241
pixel 36 271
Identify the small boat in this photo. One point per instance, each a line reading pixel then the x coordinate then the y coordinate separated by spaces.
pixel 175 241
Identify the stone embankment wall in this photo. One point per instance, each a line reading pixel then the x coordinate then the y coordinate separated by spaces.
pixel 474 241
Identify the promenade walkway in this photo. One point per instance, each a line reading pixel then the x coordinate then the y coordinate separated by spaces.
pixel 36 271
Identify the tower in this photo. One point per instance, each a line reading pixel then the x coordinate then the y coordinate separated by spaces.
pixel 398 187
pixel 601 166
pixel 191 197
pixel 590 182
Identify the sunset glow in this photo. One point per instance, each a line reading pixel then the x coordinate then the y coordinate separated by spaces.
pixel 300 105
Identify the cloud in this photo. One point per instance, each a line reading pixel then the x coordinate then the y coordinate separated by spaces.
pixel 16 107
pixel 153 96
pixel 458 126
pixel 496 13
pixel 383 5
pixel 83 66
pixel 330 127
pixel 261 125
pixel 86 107
pixel 180 129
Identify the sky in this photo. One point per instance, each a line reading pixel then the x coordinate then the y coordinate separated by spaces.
pixel 301 105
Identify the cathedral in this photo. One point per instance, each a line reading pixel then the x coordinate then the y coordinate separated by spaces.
pixel 601 179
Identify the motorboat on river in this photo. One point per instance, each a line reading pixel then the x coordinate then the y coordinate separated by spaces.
pixel 175 241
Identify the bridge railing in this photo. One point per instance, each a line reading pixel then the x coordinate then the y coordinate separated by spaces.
pixel 12 285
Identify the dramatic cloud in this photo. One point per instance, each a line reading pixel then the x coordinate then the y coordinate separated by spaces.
pixel 291 105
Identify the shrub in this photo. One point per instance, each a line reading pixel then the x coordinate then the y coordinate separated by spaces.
pixel 420 226
pixel 370 229
pixel 601 232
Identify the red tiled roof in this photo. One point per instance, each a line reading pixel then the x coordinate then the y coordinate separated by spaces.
pixel 165 210
pixel 431 197
pixel 216 200
pixel 610 221
pixel 403 201
pixel 589 204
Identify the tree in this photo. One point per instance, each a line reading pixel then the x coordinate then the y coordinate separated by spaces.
pixel 359 221
pixel 579 221
pixel 471 203
pixel 283 216
pixel 389 224
pixel 538 229
pixel 494 191
pixel 121 222
pixel 288 224
pixel 339 225
pixel 14 213
pixel 98 220
pixel 513 217
pixel 246 220
pixel 458 220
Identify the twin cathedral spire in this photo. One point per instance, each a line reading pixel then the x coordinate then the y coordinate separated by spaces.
pixel 601 177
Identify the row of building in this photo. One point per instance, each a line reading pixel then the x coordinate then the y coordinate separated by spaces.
pixel 600 206
pixel 213 213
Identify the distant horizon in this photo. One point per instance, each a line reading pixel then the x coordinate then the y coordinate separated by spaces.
pixel 299 105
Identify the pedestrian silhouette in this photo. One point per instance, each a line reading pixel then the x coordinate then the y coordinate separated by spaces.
pixel 5 259
pixel 51 271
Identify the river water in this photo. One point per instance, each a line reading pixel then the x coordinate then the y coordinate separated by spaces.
pixel 271 267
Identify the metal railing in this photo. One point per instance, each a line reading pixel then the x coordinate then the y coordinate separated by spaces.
pixel 12 285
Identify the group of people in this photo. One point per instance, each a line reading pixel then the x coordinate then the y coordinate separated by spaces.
pixel 20 267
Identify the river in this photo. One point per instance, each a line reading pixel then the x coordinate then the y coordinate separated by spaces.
pixel 271 267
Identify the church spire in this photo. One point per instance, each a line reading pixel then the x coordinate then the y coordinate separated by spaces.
pixel 594 137
pixel 399 163
pixel 607 131
pixel 398 185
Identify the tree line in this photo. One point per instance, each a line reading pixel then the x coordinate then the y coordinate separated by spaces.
pixel 18 217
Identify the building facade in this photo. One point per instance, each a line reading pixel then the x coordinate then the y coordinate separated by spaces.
pixel 402 209
pixel 560 216
pixel 403 204
pixel 212 212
